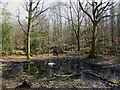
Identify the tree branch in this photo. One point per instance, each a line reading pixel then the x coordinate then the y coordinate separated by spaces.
pixel 39 21
pixel 21 25
pixel 100 11
pixel 26 6
pixel 62 16
pixel 85 11
pixel 36 5
pixel 36 15
pixel 103 10
pixel 106 16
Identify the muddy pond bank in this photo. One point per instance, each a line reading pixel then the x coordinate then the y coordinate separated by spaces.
pixel 64 72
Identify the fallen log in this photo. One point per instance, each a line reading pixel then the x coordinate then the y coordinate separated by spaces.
pixel 67 76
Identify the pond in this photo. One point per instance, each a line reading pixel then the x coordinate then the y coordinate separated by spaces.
pixel 63 69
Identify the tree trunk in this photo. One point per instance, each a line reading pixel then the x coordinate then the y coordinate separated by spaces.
pixel 112 31
pixel 29 29
pixel 28 46
pixel 93 43
pixel 118 21
pixel 78 43
pixel 78 32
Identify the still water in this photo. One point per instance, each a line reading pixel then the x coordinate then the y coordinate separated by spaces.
pixel 58 67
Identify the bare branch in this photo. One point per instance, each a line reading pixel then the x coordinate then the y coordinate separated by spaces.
pixel 36 5
pixel 106 16
pixel 89 3
pixel 84 10
pixel 71 5
pixel 82 19
pixel 26 6
pixel 21 24
pixel 36 15
pixel 96 8
pixel 42 11
pixel 55 6
pixel 103 9
pixel 42 6
pixel 100 11
pixel 62 16
pixel 39 21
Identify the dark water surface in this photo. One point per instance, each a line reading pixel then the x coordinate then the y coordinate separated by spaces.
pixel 57 67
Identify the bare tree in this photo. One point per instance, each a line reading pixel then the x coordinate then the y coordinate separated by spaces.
pixel 97 14
pixel 77 32
pixel 34 10
pixel 74 11
pixel 112 12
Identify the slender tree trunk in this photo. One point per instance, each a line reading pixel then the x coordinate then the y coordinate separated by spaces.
pixel 29 29
pixel 118 18
pixel 119 30
pixel 93 43
pixel 118 39
pixel 78 32
pixel 28 46
pixel 78 43
pixel 112 31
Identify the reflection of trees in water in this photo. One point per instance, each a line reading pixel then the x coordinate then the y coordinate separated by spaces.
pixel 41 69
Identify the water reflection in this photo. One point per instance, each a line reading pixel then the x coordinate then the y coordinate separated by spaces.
pixel 48 68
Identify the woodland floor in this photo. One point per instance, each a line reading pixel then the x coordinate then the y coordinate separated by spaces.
pixel 59 82
pixel 106 59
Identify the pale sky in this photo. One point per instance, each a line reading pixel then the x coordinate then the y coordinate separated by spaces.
pixel 13 5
